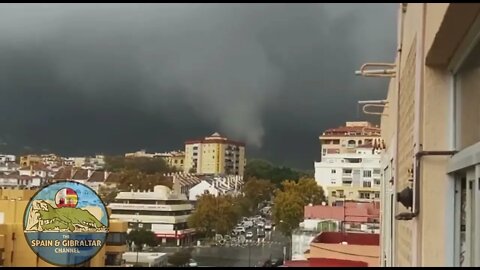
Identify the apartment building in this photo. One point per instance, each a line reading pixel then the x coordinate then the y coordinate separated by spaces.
pixel 350 164
pixel 431 126
pixel 163 211
pixel 215 155
pixel 14 250
pixel 28 160
pixel 174 159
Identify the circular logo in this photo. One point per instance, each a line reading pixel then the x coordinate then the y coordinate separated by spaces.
pixel 66 223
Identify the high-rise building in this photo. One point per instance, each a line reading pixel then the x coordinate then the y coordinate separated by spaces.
pixel 350 164
pixel 214 155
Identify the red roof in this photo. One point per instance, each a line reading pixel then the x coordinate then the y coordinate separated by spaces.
pixel 364 239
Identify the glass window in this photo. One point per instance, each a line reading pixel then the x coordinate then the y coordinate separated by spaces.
pixel 334 171
pixel 467 87
pixel 367 173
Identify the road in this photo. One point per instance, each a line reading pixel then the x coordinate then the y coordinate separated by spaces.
pixel 270 247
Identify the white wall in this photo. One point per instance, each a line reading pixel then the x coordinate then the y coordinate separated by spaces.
pixel 200 189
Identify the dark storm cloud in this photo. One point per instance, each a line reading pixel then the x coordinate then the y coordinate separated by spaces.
pixel 82 78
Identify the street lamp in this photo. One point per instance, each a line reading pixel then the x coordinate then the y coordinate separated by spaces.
pixel 288 243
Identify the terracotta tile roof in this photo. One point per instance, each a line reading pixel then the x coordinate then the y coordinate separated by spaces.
pixel 63 173
pixel 97 176
pixel 35 167
pixel 80 174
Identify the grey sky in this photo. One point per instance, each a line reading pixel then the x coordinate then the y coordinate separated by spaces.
pixel 86 78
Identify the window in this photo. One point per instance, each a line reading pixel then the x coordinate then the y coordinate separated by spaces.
pixel 377 195
pixel 334 194
pixel 324 152
pixel 465 169
pixel 367 174
pixel 467 80
pixel 364 195
pixel 376 171
pixel 347 171
pixel 333 182
pixel 376 182
pixel 116 239
pixel 367 184
pixel 334 171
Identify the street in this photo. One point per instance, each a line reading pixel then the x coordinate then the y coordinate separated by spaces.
pixel 228 256
pixel 270 247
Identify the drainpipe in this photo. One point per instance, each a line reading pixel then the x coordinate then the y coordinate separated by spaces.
pixel 417 137
pixel 398 76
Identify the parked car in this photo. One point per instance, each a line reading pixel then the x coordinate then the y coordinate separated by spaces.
pixel 249 235
pixel 268 227
pixel 248 223
pixel 192 263
pixel 260 233
pixel 260 224
pixel 239 230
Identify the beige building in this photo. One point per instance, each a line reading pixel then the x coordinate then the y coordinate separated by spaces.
pixel 215 155
pixel 346 139
pixel 174 159
pixel 14 250
pixel 28 160
pixel 431 126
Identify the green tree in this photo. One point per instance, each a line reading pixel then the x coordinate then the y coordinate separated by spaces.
pixel 262 169
pixel 180 258
pixel 142 237
pixel 141 164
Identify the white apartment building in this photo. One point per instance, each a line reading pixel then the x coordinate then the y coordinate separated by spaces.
pixel 218 185
pixel 350 164
pixel 7 158
pixel 162 211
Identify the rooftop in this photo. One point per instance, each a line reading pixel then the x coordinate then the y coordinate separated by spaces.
pixel 361 239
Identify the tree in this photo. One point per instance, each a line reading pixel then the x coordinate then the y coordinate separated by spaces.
pixel 133 179
pixel 290 201
pixel 107 194
pixel 310 191
pixel 180 258
pixel 142 164
pixel 262 169
pixel 204 216
pixel 287 210
pixel 142 237
pixel 257 191
pixel 214 214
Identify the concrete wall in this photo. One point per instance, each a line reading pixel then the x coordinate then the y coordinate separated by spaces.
pixel 368 254
pixel 427 240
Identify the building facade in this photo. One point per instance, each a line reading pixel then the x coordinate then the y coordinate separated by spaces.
pixel 350 166
pixel 215 155
pixel 162 211
pixel 431 126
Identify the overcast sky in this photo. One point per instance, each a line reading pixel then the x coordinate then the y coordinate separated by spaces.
pixel 80 79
